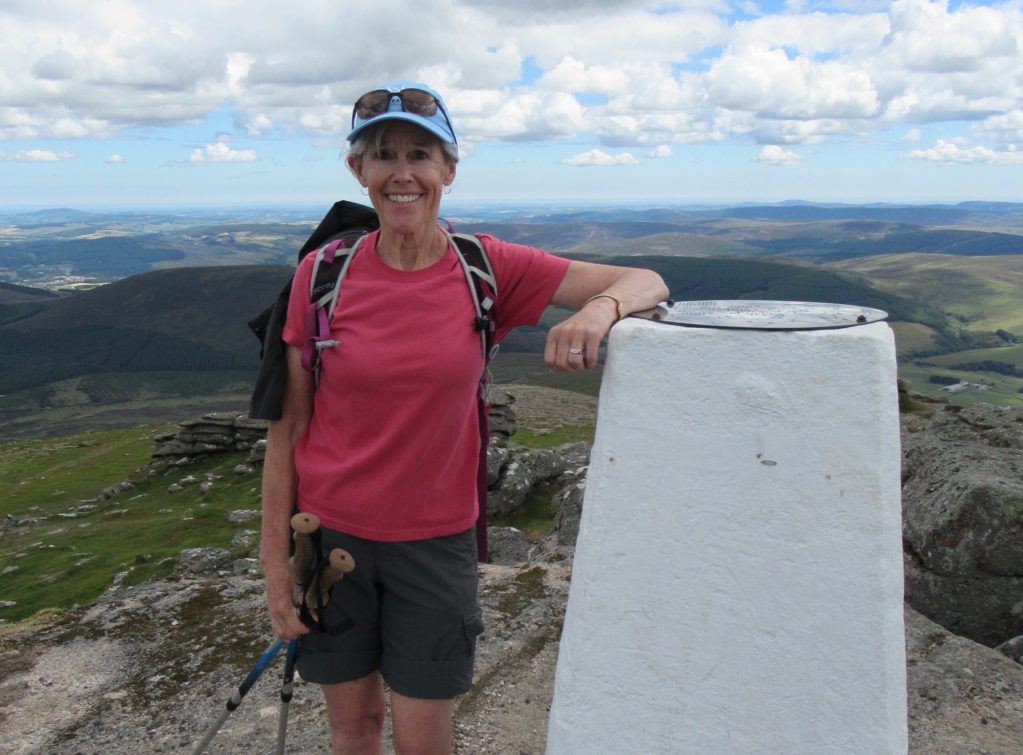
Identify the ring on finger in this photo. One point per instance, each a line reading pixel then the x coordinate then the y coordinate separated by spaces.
pixel 577 352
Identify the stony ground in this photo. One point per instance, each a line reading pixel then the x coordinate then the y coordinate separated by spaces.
pixel 540 408
pixel 147 669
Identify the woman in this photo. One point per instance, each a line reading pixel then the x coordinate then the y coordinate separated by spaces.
pixel 384 450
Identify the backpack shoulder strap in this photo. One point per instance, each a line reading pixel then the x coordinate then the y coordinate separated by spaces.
pixel 329 269
pixel 483 286
pixel 479 274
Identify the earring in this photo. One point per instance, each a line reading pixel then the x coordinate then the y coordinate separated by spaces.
pixel 447 189
pixel 364 191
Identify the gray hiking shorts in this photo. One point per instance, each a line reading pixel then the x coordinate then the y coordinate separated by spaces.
pixel 413 612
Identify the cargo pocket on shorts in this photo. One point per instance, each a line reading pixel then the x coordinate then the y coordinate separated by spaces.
pixel 473 626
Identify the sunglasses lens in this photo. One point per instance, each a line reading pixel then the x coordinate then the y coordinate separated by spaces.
pixel 378 102
pixel 418 102
pixel 372 104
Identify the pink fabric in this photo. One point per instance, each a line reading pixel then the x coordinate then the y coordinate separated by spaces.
pixel 392 449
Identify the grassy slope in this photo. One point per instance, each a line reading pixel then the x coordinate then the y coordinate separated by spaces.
pixel 62 554
pixel 999 389
pixel 980 294
pixel 984 291
pixel 69 555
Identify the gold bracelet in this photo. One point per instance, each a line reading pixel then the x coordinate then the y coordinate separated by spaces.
pixel 615 299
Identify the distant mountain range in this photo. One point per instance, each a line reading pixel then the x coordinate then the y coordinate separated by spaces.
pixel 107 246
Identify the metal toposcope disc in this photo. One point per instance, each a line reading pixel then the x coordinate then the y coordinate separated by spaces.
pixel 761 315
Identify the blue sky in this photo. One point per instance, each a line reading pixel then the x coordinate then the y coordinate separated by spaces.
pixel 177 103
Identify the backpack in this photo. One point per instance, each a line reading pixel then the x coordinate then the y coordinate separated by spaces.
pixel 335 241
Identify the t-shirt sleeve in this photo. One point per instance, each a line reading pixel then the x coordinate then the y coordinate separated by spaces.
pixel 294 326
pixel 527 278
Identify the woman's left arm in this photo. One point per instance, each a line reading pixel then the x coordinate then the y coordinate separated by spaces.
pixel 573 344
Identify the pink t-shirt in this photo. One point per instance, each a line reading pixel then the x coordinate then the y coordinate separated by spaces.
pixel 391 451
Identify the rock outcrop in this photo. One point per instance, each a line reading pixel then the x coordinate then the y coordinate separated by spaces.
pixel 522 470
pixel 213 433
pixel 962 500
pixel 963 697
pixel 502 416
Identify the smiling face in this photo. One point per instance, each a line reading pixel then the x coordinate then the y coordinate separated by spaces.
pixel 405 171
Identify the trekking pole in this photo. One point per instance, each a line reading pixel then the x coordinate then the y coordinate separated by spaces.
pixel 236 699
pixel 286 690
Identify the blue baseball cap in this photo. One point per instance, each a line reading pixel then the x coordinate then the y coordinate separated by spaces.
pixel 403 101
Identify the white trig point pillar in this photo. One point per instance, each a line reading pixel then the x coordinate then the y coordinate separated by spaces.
pixel 737 585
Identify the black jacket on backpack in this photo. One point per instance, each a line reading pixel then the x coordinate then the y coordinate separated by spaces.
pixel 268 326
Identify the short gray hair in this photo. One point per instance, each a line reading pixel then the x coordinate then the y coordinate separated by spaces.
pixel 374 135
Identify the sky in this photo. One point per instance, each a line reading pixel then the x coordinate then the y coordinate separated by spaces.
pixel 119 104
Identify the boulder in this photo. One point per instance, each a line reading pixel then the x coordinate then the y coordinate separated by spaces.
pixel 117 489
pixel 257 454
pixel 568 506
pixel 497 459
pixel 1012 649
pixel 216 432
pixel 525 469
pixel 508 545
pixel 962 499
pixel 963 697
pixel 502 417
pixel 205 561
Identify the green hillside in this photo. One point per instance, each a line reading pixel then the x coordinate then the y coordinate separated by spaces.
pixel 209 305
pixel 983 293
pixel 63 545
pixel 194 319
pixel 190 319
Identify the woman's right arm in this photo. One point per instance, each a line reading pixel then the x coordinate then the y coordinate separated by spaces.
pixel 280 484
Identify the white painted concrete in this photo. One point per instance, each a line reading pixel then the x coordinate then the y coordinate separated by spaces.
pixel 737 585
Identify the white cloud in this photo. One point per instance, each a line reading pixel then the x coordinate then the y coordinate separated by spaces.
pixel 620 73
pixel 526 114
pixel 601 158
pixel 769 83
pixel 772 154
pixel 951 153
pixel 36 156
pixel 573 75
pixel 258 124
pixel 662 150
pixel 926 37
pixel 115 159
pixel 913 135
pixel 1004 127
pixel 220 152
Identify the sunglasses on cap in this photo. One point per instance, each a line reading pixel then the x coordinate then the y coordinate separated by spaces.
pixel 378 102
pixel 413 101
